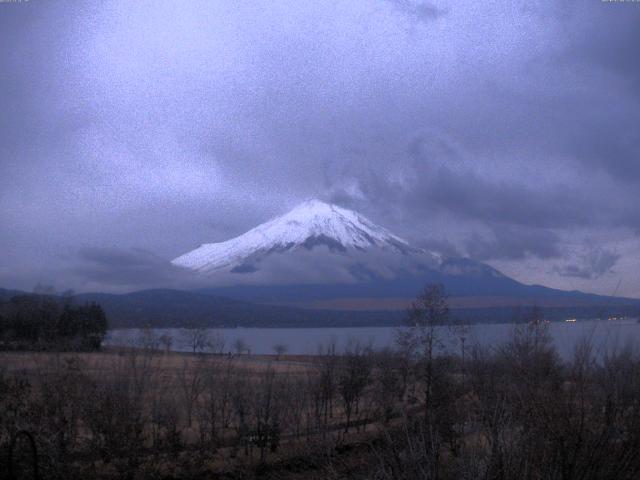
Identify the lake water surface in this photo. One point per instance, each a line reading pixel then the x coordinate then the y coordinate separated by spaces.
pixel 606 336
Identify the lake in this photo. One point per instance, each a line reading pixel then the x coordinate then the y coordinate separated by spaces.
pixel 606 336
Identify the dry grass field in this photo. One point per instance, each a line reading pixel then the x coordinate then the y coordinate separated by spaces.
pixel 231 412
pixel 164 363
pixel 515 411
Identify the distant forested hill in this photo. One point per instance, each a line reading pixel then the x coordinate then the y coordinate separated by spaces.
pixel 178 308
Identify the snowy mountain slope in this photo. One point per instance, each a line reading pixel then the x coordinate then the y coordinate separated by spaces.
pixel 309 225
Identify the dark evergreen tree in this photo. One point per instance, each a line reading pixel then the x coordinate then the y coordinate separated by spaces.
pixel 43 322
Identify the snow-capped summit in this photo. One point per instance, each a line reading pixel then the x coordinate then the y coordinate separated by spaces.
pixel 311 224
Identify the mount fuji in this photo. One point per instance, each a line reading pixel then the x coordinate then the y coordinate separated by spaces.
pixel 311 225
pixel 323 256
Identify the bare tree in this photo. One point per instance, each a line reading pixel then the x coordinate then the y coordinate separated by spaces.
pixel 116 410
pixel 191 385
pixel 299 408
pixel 388 382
pixel 429 311
pixel 240 346
pixel 147 339
pixel 355 376
pixel 427 314
pixel 216 410
pixel 268 404
pixel 197 338
pixel 216 342
pixel 166 341
pixel 280 349
pixel 326 383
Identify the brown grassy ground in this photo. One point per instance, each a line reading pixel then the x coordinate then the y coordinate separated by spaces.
pixel 297 457
pixel 31 362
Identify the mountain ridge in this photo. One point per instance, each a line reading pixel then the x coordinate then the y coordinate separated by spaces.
pixel 169 308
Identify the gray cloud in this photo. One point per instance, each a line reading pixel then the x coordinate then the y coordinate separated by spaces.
pixel 517 204
pixel 440 245
pixel 423 11
pixel 124 269
pixel 515 244
pixel 594 264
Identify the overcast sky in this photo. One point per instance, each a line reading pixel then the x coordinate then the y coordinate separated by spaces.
pixel 133 131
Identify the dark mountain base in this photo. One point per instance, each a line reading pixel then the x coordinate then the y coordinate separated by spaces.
pixel 176 308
